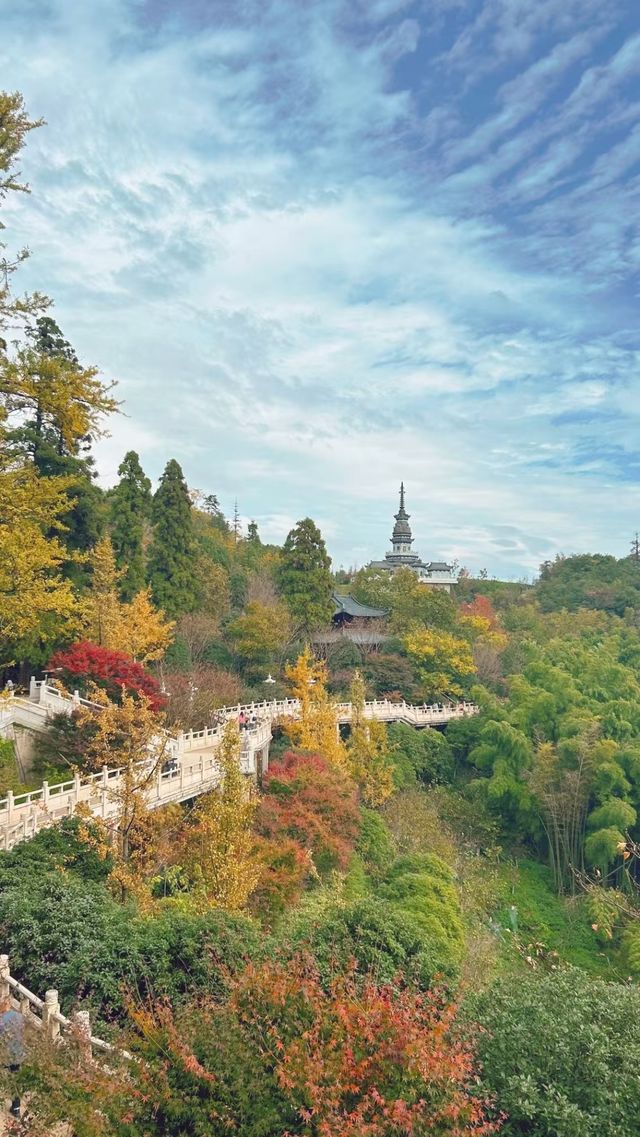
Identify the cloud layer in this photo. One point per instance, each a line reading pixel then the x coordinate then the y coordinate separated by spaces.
pixel 327 246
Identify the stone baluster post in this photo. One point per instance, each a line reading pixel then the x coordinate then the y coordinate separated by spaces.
pixel 82 1024
pixel 49 1011
pixel 5 989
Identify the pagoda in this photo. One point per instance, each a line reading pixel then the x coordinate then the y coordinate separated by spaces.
pixel 435 574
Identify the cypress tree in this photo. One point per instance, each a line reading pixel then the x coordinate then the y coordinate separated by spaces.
pixel 130 507
pixel 305 576
pixel 170 569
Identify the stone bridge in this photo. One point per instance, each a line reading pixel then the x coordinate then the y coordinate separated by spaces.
pixel 189 766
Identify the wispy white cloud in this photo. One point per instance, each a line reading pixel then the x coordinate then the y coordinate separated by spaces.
pixel 323 248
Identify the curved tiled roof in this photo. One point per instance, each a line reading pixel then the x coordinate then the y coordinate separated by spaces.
pixel 352 607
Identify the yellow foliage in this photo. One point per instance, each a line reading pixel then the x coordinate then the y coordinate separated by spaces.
pixel 35 599
pixel 479 629
pixel 130 737
pixel 100 607
pixel 262 630
pixel 219 858
pixel 57 392
pixel 443 659
pixel 137 628
pixel 368 750
pixel 144 632
pixel 317 727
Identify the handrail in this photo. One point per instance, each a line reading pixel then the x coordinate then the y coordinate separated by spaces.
pixel 177 776
pixel 47 1015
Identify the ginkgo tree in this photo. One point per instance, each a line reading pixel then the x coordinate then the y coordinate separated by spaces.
pixel 316 726
pixel 219 860
pixel 368 747
pixel 35 597
pixel 137 628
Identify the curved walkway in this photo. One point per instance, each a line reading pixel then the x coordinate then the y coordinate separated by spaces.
pixel 189 764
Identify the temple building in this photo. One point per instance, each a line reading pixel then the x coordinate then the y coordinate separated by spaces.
pixel 435 574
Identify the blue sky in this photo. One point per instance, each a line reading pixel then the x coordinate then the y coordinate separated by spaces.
pixel 326 246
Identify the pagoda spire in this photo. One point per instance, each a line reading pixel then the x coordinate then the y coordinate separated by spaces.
pixel 401 537
pixel 402 509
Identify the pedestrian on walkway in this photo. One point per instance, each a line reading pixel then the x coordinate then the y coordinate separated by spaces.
pixel 12 1048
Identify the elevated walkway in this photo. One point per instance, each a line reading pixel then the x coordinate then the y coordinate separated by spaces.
pixel 189 765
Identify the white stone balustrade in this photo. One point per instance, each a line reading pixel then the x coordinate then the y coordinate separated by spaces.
pixel 44 1014
pixel 190 767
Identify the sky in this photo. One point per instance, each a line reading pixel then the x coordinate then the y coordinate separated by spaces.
pixel 325 246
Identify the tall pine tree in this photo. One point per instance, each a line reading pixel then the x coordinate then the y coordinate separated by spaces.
pixel 305 576
pixel 170 569
pixel 130 508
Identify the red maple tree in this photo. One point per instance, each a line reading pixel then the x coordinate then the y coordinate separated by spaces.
pixel 86 662
pixel 285 1054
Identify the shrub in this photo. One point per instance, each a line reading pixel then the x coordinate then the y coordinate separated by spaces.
pixel 286 1055
pixel 69 934
pixel 375 843
pixel 421 888
pixel 71 846
pixel 368 934
pixel 561 1053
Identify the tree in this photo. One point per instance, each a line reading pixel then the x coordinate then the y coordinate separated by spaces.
pixel 410 603
pixel 84 664
pixel 444 661
pixel 170 564
pixel 219 858
pixel 144 633
pixel 54 407
pixel 253 537
pixel 368 758
pixel 305 578
pixel 100 605
pixel 130 509
pixel 316 725
pixel 313 803
pixel 137 628
pixel 15 126
pixel 260 633
pixel 52 394
pixel 36 601
pixel 128 736
pixel 285 1055
pixel 419 756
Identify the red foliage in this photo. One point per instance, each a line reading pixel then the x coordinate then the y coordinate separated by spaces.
pixel 482 606
pixel 311 802
pixel 358 1059
pixel 111 670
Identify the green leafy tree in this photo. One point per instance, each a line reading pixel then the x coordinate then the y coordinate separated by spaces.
pixel 419 755
pixel 305 576
pixel 409 602
pixel 130 509
pixel 561 1053
pixel 170 564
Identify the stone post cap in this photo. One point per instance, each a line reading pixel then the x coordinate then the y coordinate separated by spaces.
pixel 51 997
